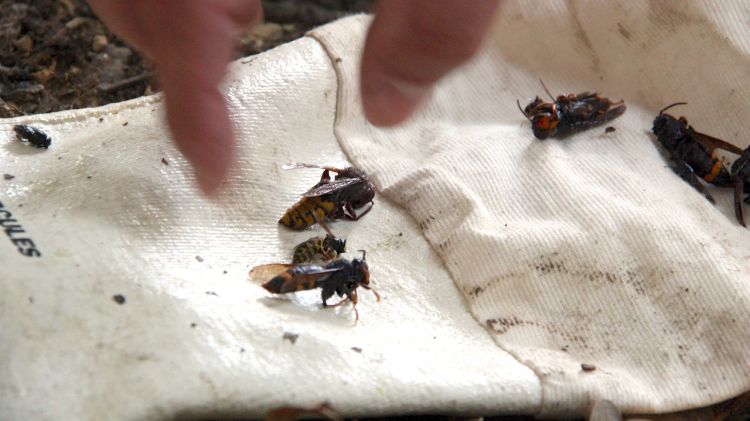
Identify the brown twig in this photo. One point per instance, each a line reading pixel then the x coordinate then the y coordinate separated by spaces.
pixel 124 83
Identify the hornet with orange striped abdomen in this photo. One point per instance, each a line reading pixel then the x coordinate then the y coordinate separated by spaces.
pixel 741 174
pixel 693 156
pixel 341 277
pixel 330 199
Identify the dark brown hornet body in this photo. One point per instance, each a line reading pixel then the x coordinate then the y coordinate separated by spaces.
pixel 693 156
pixel 741 174
pixel 330 199
pixel 33 136
pixel 341 277
pixel 318 249
pixel 568 114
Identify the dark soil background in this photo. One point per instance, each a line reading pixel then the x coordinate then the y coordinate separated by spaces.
pixel 57 55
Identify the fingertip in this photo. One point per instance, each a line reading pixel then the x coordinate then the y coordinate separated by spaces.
pixel 203 132
pixel 413 44
pixel 211 160
pixel 211 164
pixel 388 102
pixel 208 183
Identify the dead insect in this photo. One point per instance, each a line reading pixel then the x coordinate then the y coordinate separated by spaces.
pixel 341 277
pixel 588 367
pixel 570 113
pixel 318 249
pixel 741 175
pixel 291 413
pixel 33 136
pixel 332 199
pixel 692 153
pixel 609 129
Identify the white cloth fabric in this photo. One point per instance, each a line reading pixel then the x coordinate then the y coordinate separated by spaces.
pixel 547 254
pixel 195 338
pixel 590 249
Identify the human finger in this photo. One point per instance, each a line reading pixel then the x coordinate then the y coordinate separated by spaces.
pixel 190 42
pixel 411 45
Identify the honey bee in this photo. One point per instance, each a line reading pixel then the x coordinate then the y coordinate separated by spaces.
pixel 331 199
pixel 341 277
pixel 318 249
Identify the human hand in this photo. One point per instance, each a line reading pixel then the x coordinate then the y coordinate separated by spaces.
pixel 410 46
pixel 190 43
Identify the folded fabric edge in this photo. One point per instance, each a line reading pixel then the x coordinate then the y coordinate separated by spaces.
pixel 364 21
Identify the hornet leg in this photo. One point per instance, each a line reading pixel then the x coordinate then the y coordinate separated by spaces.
pixel 739 187
pixel 686 173
pixel 377 296
pixel 353 298
pixel 323 224
pixel 343 300
pixel 326 294
pixel 351 214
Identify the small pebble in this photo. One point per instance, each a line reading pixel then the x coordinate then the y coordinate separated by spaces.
pixel 25 44
pixel 268 31
pixel 99 42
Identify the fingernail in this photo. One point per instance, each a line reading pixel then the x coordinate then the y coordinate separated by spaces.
pixel 209 173
pixel 388 102
pixel 207 183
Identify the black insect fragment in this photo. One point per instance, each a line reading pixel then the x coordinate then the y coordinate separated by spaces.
pixel 588 367
pixel 291 337
pixel 33 136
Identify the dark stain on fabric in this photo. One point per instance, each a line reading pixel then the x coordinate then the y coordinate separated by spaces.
pixel 624 32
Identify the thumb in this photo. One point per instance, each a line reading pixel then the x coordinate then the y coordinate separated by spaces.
pixel 411 45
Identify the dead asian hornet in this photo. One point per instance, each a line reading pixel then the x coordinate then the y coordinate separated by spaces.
pixel 332 199
pixel 341 277
pixel 693 156
pixel 568 114
pixel 741 174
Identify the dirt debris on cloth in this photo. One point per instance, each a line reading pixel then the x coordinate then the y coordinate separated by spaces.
pixel 57 55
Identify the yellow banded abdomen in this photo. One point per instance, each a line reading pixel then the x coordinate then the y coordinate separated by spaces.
pixel 306 212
